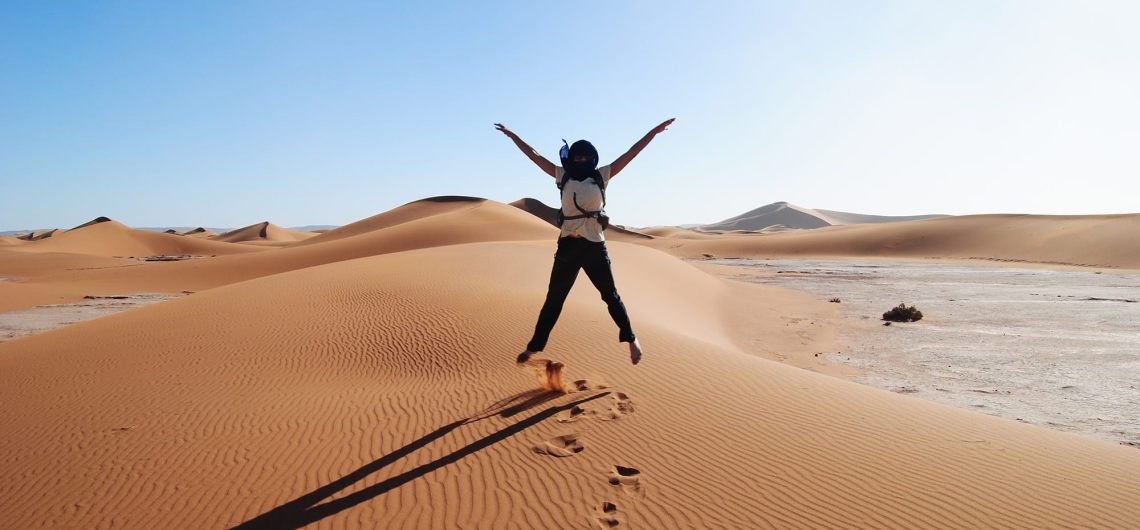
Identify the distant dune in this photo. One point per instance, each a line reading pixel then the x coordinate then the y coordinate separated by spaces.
pixel 105 237
pixel 200 232
pixel 1086 240
pixel 781 216
pixel 538 209
pixel 847 218
pixel 36 236
pixel 263 232
pixel 776 214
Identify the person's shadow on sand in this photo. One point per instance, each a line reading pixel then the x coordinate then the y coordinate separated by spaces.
pixel 304 510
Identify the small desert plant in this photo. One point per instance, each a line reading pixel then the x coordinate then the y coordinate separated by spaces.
pixel 902 313
pixel 835 300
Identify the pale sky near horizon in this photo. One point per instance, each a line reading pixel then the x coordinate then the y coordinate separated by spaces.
pixel 227 113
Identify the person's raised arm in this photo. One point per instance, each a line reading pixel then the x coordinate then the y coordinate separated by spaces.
pixel 624 159
pixel 540 161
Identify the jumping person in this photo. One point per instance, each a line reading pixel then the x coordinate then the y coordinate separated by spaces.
pixel 582 243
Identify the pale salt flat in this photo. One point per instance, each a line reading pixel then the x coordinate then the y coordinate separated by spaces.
pixel 14 324
pixel 1054 348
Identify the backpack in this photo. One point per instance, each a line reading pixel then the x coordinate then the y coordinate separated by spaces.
pixel 600 215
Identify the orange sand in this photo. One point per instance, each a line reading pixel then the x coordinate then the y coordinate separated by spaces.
pixel 365 378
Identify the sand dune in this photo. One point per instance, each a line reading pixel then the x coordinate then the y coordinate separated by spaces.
pixel 549 214
pixel 432 222
pixel 36 236
pixel 427 223
pixel 105 237
pixel 1089 240
pixel 200 232
pixel 848 218
pixel 412 211
pixel 11 241
pixel 382 392
pixel 780 216
pixel 779 213
pixel 263 232
pixel 538 209
pixel 676 233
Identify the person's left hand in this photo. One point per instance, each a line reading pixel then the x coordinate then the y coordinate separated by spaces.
pixel 503 129
pixel 664 125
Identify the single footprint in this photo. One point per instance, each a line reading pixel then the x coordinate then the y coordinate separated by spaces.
pixel 620 405
pixel 607 515
pixel 560 446
pixel 583 385
pixel 574 414
pixel 628 478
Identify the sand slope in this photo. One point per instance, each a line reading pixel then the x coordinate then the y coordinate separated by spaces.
pixel 381 392
pixel 1092 240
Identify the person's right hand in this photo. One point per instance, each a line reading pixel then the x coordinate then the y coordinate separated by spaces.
pixel 503 129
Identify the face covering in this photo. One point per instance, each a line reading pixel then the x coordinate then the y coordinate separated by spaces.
pixel 581 169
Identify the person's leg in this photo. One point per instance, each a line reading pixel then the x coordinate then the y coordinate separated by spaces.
pixel 567 261
pixel 597 266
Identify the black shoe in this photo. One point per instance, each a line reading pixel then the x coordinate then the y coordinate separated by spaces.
pixel 524 357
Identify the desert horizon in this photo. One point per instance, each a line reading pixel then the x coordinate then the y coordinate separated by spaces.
pixel 777 216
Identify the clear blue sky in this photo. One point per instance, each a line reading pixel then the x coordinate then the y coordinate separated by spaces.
pixel 232 112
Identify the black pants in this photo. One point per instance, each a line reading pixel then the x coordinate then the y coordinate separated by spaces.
pixel 577 253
